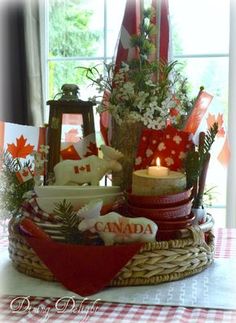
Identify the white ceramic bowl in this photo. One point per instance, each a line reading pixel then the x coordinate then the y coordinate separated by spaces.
pixel 47 204
pixel 57 191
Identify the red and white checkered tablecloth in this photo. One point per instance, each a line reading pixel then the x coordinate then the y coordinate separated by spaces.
pixel 38 309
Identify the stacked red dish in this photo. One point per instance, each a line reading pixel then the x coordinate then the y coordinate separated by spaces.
pixel 170 212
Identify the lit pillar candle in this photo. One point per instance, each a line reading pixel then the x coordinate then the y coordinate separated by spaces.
pixel 158 170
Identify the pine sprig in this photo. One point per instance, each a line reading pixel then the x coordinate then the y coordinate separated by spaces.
pixel 69 220
pixel 209 140
pixel 11 191
pixel 196 164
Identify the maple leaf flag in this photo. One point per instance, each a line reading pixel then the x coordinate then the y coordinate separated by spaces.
pixel 211 119
pixel 130 27
pixel 124 52
pixel 200 107
pixel 24 175
pixel 224 149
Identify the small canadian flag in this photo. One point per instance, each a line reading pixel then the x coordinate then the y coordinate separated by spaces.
pixel 24 175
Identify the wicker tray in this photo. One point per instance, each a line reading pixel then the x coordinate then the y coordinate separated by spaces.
pixel 155 263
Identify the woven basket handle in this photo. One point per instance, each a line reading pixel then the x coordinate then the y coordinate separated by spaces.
pixel 197 231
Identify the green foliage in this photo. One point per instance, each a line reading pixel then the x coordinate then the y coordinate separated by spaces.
pixel 69 220
pixel 11 190
pixel 68 32
pixel 69 35
pixel 143 41
pixel 195 158
pixel 196 164
pixel 209 139
pixel 209 196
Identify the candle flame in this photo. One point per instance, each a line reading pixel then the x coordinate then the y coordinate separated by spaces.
pixel 158 162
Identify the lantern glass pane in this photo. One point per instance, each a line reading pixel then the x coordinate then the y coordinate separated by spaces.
pixel 72 127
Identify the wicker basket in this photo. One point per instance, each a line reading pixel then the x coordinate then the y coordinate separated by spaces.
pixel 155 263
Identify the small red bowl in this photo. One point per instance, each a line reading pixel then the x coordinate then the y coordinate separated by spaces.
pixel 176 224
pixel 159 201
pixel 163 214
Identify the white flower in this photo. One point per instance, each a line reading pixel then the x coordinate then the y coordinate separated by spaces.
pixel 152 124
pixel 154 98
pixel 128 88
pixel 169 103
pixel 153 105
pixel 150 83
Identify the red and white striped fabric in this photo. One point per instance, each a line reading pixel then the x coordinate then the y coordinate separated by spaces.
pixel 45 309
pixel 225 243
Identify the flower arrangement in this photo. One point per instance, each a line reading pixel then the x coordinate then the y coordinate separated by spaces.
pixel 141 90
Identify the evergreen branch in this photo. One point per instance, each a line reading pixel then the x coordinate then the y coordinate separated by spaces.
pixel 69 220
pixel 209 138
pixel 11 190
pixel 197 162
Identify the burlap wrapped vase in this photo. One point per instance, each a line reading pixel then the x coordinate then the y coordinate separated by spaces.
pixel 125 138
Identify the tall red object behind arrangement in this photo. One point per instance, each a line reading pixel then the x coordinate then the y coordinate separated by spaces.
pixel 129 27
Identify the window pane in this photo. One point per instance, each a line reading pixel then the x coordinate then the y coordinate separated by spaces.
pixel 76 28
pixel 72 127
pixel 200 26
pixel 212 73
pixel 115 12
pixel 71 72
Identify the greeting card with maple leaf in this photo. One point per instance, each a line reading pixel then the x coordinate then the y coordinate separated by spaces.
pixel 20 150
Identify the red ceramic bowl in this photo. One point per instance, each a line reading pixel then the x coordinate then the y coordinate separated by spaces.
pixel 176 224
pixel 163 214
pixel 159 201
